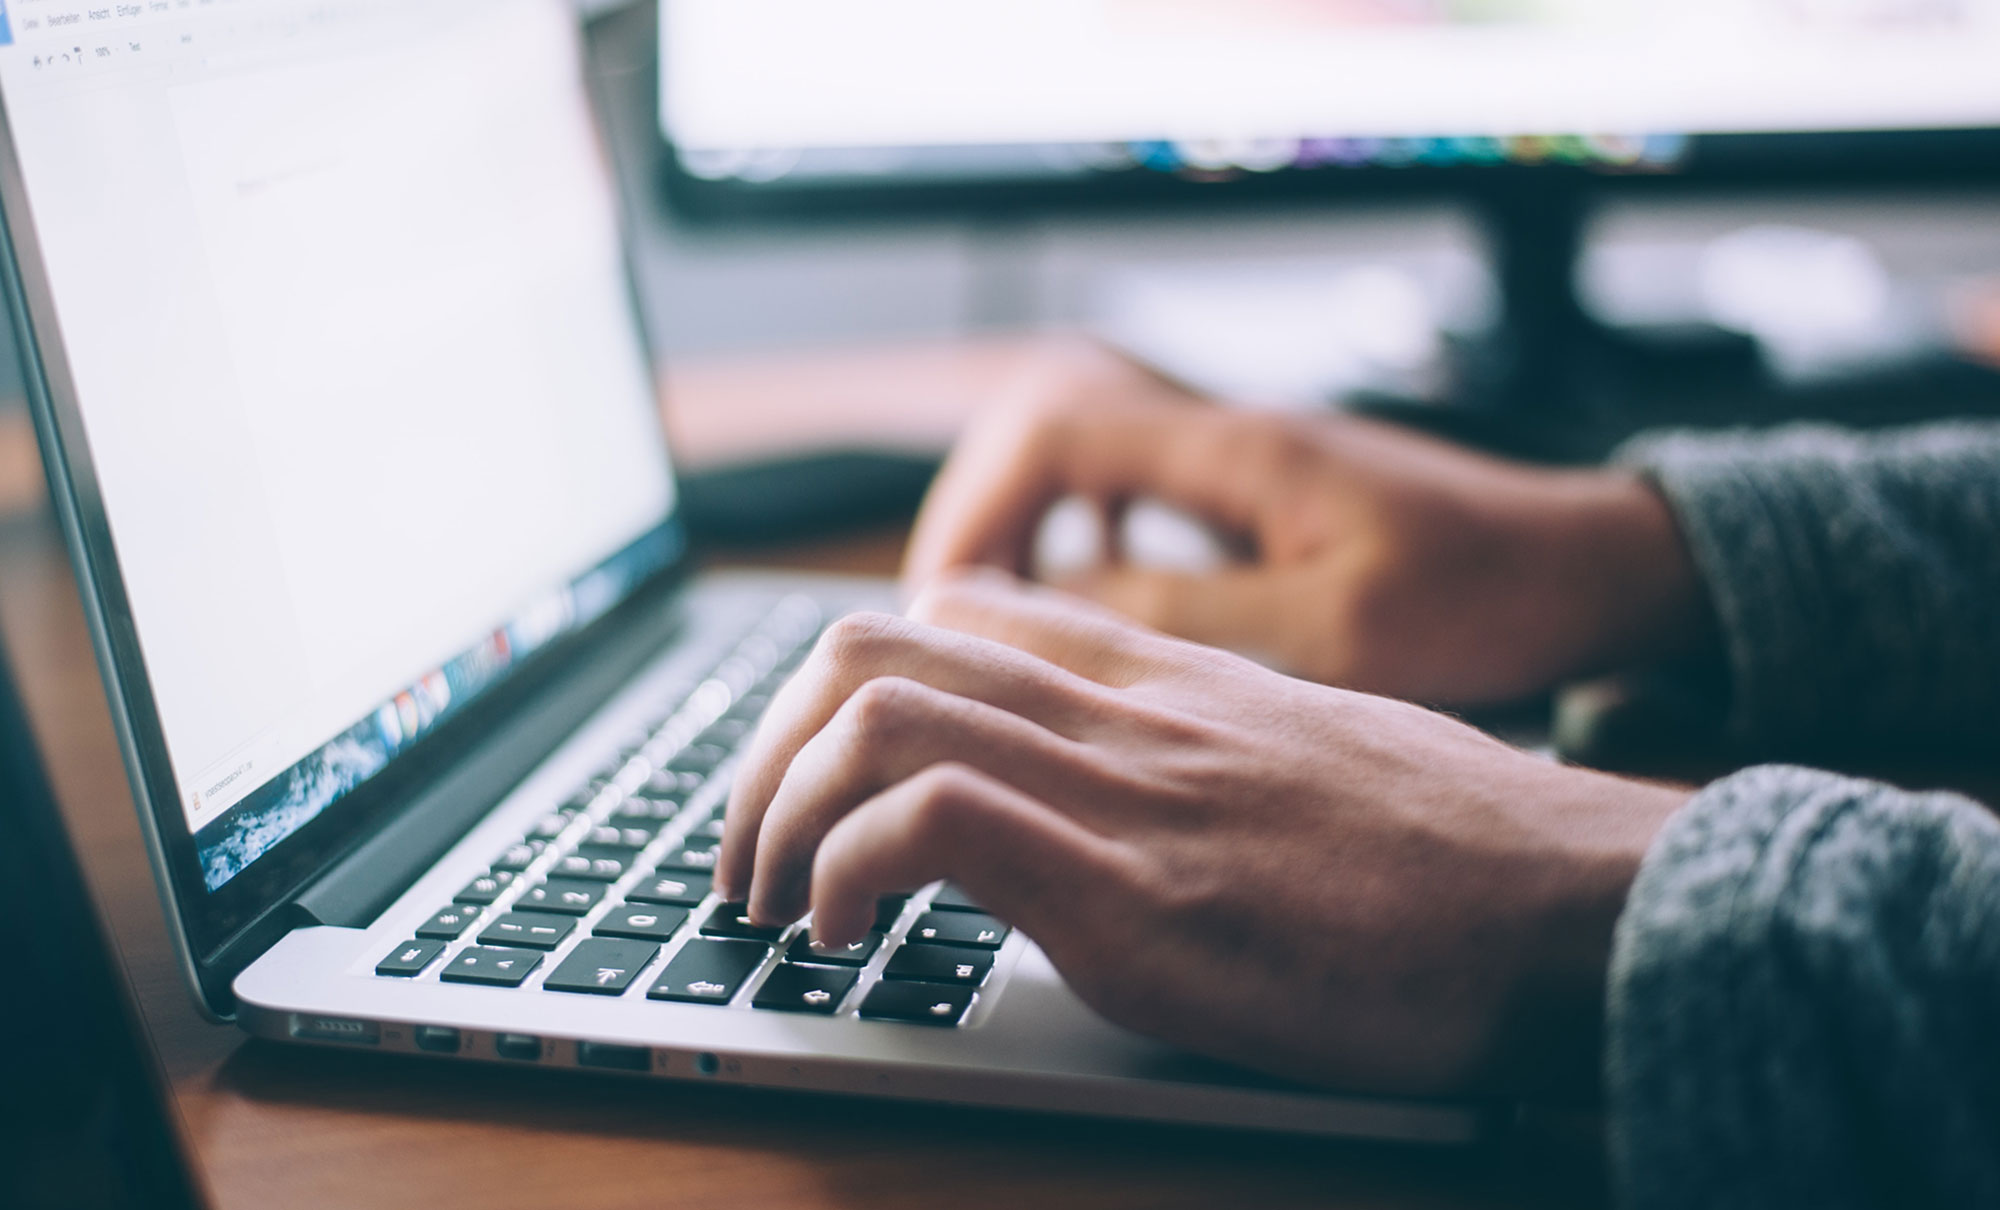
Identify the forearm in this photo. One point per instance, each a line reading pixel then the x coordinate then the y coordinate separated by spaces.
pixel 1853 578
pixel 1803 1000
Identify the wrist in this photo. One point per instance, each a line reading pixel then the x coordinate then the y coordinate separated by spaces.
pixel 1549 1040
pixel 1638 595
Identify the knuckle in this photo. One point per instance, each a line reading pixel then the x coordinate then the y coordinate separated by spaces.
pixel 1286 449
pixel 940 798
pixel 947 596
pixel 884 706
pixel 959 598
pixel 1248 439
pixel 1054 399
pixel 857 638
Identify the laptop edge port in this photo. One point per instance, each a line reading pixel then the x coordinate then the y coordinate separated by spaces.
pixel 525 1047
pixel 615 1058
pixel 336 1029
pixel 437 1039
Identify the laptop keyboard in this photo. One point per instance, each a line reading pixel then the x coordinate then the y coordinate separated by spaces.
pixel 610 895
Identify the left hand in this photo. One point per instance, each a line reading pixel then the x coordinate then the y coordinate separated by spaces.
pixel 1369 556
pixel 1304 880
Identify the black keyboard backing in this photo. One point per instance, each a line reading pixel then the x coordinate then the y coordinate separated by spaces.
pixel 610 893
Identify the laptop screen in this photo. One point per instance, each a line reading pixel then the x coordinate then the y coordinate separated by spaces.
pixel 341 296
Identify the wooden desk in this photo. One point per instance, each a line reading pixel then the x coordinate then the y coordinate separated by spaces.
pixel 276 1126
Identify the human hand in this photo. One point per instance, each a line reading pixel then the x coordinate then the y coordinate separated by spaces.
pixel 1300 879
pixel 1374 558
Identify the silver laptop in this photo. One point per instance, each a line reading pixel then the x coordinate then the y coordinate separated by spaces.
pixel 345 400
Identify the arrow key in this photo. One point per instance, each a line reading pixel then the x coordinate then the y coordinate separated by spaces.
pixel 601 967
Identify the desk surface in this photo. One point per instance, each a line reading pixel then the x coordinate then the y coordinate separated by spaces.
pixel 280 1126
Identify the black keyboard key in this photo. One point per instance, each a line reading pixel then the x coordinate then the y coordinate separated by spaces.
pixel 673 783
pixel 642 921
pixel 594 865
pixel 548 827
pixel 601 968
pixel 951 899
pixel 708 972
pixel 565 895
pixel 729 920
pixel 655 811
pixel 729 732
pixel 680 890
pixel 806 989
pixel 699 759
pixel 711 830
pixel 939 964
pixel 519 857
pixel 690 860
pixel 888 910
pixel 492 967
pixel 699 839
pixel 485 888
pixel 917 1003
pixel 750 707
pixel 628 838
pixel 958 928
pixel 448 924
pixel 409 959
pixel 528 930
pixel 805 950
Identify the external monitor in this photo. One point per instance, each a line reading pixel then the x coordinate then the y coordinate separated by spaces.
pixel 1525 108
pixel 803 96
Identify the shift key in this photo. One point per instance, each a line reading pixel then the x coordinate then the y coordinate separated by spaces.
pixel 708 972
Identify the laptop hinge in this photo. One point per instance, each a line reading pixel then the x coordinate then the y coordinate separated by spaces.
pixel 360 886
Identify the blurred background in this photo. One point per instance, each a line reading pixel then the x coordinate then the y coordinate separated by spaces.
pixel 1846 262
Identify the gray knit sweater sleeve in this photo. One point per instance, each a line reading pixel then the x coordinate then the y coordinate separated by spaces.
pixel 1856 578
pixel 1804 1006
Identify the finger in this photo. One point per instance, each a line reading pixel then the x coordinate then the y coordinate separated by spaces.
pixel 1024 861
pixel 865 647
pixel 1006 472
pixel 1065 630
pixel 1238 609
pixel 888 731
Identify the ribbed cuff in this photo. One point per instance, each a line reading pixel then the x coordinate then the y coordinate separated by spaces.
pixel 1803 997
pixel 1771 617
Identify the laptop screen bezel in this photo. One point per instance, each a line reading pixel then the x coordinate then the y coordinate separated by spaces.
pixel 205 923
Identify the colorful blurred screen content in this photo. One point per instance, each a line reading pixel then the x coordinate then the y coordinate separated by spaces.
pixel 765 90
pixel 342 296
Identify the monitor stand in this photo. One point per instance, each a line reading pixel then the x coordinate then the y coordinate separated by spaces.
pixel 1552 382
